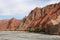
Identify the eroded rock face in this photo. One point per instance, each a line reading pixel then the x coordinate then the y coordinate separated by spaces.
pixel 42 17
pixel 54 26
pixel 46 18
pixel 3 24
pixel 12 24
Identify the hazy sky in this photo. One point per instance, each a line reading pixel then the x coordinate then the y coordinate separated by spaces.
pixel 20 8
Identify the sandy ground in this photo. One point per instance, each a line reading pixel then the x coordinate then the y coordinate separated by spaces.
pixel 17 35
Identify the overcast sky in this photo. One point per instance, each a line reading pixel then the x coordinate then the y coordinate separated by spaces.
pixel 21 8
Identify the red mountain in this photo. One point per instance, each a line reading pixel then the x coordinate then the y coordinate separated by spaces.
pixel 46 19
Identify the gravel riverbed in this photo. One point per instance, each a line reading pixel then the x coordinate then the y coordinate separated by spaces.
pixel 19 35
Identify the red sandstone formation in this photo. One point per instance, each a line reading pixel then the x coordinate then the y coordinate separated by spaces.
pixel 3 24
pixel 42 17
pixel 11 24
pixel 42 14
pixel 46 18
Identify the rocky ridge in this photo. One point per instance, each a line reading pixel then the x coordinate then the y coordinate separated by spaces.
pixel 46 19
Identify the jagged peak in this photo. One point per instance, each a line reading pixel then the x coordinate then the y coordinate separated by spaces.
pixel 37 8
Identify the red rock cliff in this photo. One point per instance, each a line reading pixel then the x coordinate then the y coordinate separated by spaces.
pixel 43 18
pixel 41 15
pixel 46 18
pixel 11 24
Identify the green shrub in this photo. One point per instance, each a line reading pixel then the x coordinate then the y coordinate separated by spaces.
pixel 30 29
pixel 37 29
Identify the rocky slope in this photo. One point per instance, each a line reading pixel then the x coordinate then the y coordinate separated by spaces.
pixel 3 24
pixel 39 15
pixel 46 19
pixel 11 24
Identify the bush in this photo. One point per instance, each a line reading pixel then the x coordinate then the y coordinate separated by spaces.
pixel 37 29
pixel 30 29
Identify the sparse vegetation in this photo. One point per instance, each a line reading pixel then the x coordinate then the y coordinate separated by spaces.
pixel 37 29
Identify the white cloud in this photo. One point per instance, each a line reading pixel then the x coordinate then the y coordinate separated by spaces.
pixel 13 7
pixel 20 7
pixel 43 3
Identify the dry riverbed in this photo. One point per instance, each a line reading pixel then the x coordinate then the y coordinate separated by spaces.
pixel 18 35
